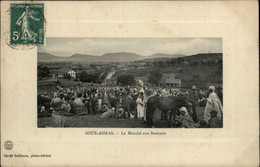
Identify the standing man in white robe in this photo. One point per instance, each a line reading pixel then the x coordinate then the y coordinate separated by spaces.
pixel 140 107
pixel 213 103
pixel 145 105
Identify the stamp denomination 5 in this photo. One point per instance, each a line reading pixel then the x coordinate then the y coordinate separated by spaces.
pixel 27 24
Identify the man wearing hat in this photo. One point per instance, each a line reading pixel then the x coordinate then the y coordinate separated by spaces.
pixel 213 103
pixel 193 98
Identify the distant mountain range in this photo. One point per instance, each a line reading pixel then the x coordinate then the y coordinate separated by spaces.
pixel 108 57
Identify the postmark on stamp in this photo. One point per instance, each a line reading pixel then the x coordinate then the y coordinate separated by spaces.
pixel 27 24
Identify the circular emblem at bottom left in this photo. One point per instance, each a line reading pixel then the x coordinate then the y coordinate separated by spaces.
pixel 8 145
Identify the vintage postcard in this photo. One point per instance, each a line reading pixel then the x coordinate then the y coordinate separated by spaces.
pixel 160 83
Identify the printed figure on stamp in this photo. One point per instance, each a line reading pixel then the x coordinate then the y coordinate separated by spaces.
pixel 27 23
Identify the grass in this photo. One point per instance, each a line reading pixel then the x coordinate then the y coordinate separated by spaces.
pixel 95 121
pixel 50 86
pixel 207 74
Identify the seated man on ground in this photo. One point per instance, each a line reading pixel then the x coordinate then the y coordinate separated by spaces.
pixel 66 107
pixel 203 124
pixel 109 112
pixel 56 103
pixel 214 121
pixel 44 113
pixel 185 120
pixel 58 120
pixel 121 113
pixel 78 104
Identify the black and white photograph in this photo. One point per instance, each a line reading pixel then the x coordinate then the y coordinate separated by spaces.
pixel 130 83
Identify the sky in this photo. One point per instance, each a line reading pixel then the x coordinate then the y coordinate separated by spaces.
pixel 143 46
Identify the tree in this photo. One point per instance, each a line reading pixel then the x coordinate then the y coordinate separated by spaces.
pixel 42 71
pixel 88 77
pixel 173 62
pixel 220 62
pixel 93 66
pixel 155 77
pixel 168 62
pixel 126 80
pixel 179 60
pixel 67 76
pixel 160 63
pixel 195 63
pixel 219 71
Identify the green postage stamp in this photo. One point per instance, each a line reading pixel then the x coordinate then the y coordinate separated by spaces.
pixel 27 23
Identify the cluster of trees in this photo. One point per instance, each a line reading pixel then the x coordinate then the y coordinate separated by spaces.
pixel 67 76
pixel 88 77
pixel 155 77
pixel 125 80
pixel 42 71
pixel 129 79
pixel 220 71
pixel 182 62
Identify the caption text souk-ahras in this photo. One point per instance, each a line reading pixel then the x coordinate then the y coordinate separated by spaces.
pixel 125 133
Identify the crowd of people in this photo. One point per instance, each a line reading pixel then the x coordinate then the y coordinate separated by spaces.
pixel 128 103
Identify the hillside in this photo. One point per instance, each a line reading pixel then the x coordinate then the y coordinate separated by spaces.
pixel 108 57
pixel 123 56
pixel 46 57
pixel 163 55
pixel 81 56
pixel 205 56
pixel 200 69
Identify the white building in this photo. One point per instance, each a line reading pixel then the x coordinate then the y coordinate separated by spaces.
pixel 72 73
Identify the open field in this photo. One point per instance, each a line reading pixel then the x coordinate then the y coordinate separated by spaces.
pixel 144 72
pixel 50 86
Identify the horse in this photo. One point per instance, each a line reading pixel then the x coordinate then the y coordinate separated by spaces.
pixel 172 103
